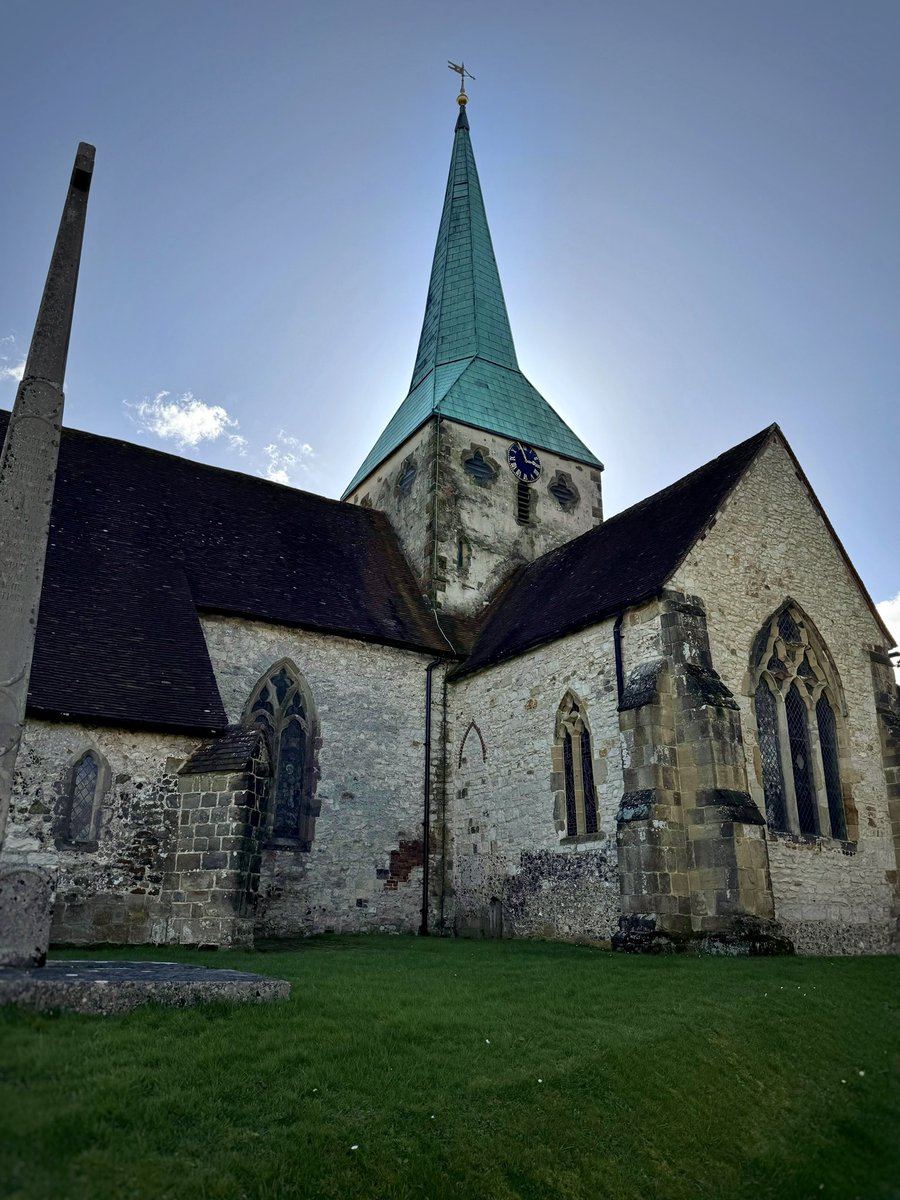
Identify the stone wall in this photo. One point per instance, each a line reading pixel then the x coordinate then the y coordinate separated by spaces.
pixel 515 871
pixel 111 893
pixel 410 508
pixel 364 870
pixel 478 541
pixel 769 543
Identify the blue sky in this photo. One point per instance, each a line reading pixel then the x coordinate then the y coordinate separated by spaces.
pixel 694 209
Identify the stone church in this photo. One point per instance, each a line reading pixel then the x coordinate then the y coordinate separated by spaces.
pixel 458 700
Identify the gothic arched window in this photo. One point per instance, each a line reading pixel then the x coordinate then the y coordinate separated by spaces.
pixel 795 697
pixel 281 706
pixel 574 753
pixel 83 792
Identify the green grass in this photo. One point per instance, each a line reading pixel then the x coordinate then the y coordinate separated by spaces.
pixel 476 1069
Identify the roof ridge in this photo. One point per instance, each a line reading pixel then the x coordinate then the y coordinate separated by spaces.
pixel 70 430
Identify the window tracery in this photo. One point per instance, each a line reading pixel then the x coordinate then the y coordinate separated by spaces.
pixel 575 752
pixel 281 707
pixel 796 700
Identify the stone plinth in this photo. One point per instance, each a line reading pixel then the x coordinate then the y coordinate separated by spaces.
pixel 114 987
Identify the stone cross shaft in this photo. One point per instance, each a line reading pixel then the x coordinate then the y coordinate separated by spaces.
pixel 28 472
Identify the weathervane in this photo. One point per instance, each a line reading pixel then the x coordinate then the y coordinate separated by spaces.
pixel 460 69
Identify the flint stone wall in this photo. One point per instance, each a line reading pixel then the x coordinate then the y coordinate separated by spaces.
pixel 770 543
pixel 107 894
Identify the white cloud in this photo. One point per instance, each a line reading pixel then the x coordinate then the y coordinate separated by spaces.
pixel 16 371
pixel 890 614
pixel 286 458
pixel 12 367
pixel 187 421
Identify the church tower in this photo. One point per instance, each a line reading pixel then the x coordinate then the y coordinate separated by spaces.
pixel 475 470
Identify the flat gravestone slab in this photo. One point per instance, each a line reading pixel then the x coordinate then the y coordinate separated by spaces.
pixel 79 985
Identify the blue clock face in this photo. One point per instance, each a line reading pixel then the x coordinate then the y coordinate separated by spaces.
pixel 523 462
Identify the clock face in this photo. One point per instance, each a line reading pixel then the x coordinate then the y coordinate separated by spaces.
pixel 523 462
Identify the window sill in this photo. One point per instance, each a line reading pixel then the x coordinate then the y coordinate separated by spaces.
pixel 84 847
pixel 577 839
pixel 286 843
pixel 812 839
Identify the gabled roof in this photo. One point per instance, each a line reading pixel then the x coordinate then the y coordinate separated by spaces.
pixel 620 563
pixel 141 541
pixel 466 366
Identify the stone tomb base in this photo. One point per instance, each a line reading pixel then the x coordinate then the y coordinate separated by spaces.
pixel 89 986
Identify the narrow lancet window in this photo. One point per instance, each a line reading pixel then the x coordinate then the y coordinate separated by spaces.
pixel 798 735
pixel 830 766
pixel 574 762
pixel 82 798
pixel 770 753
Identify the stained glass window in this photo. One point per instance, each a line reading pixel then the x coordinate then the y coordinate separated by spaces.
pixel 798 735
pixel 281 711
pixel 828 742
pixel 82 797
pixel 569 771
pixel 770 753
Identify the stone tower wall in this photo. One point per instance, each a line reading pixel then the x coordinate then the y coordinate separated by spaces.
pixel 477 540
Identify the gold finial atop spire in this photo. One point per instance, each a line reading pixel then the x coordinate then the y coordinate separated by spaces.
pixel 460 69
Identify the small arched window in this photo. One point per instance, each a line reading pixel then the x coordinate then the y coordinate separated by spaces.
pixel 795 694
pixel 281 706
pixel 575 753
pixel 82 800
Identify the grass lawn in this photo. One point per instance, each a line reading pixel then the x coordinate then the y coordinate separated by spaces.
pixel 404 1067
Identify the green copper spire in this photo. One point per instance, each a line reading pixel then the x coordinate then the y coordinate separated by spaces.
pixel 465 314
pixel 466 366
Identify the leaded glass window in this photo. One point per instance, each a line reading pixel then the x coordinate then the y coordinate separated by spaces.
pixel 788 627
pixel 797 728
pixel 82 798
pixel 587 774
pixel 830 766
pixel 569 771
pixel 577 762
pixel 770 753
pixel 281 708
pixel 801 764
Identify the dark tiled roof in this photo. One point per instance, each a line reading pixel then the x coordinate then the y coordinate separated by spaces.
pixel 233 751
pixel 142 540
pixel 621 562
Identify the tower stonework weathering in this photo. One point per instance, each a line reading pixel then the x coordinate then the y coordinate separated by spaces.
pixel 444 469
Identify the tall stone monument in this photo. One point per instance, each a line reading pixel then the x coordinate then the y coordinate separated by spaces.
pixel 27 476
